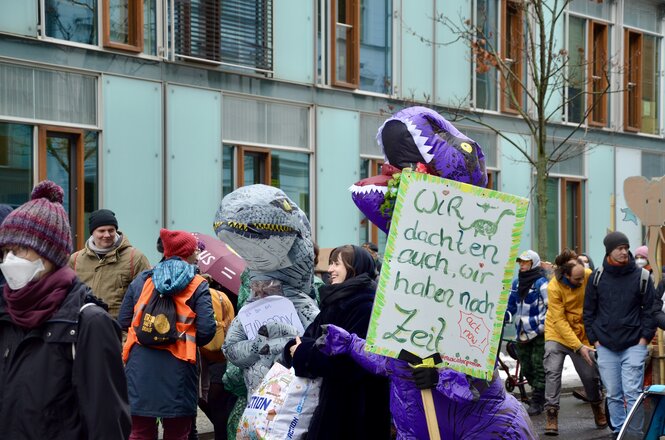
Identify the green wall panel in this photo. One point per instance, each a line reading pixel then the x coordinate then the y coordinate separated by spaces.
pixel 293 35
pixel 337 168
pixel 193 158
pixel 19 17
pixel 417 64
pixel 516 179
pixel 600 189
pixel 131 159
pixel 452 56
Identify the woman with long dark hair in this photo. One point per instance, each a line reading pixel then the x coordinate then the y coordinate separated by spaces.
pixel 353 404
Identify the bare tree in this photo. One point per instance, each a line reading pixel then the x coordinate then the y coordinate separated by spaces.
pixel 538 79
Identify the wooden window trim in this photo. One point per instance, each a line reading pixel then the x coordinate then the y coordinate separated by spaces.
pixel 492 176
pixel 516 24
pixel 352 50
pixel 135 10
pixel 632 61
pixel 44 130
pixel 598 61
pixel 267 173
pixel 374 170
pixel 563 200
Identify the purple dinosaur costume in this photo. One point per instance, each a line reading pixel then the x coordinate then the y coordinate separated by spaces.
pixel 422 139
pixel 466 408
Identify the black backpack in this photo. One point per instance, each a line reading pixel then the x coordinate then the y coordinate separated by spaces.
pixel 644 278
pixel 157 325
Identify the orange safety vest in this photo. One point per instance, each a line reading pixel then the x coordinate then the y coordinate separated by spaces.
pixel 185 347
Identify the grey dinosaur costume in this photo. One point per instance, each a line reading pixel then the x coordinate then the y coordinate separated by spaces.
pixel 273 236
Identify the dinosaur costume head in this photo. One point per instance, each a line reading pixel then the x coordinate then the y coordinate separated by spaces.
pixel 270 233
pixel 422 139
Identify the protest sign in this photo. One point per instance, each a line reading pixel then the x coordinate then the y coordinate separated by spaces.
pixel 447 272
pixel 270 309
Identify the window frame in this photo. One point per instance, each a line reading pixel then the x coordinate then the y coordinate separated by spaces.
pixel 633 69
pixel 563 209
pixel 597 105
pixel 78 225
pixel 240 169
pixel 514 22
pixel 135 27
pixel 352 50
pixel 374 169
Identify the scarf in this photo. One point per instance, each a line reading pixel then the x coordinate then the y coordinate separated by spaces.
pixel 172 276
pixel 333 292
pixel 102 252
pixel 35 303
pixel 526 280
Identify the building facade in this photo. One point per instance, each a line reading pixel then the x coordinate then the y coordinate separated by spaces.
pixel 158 108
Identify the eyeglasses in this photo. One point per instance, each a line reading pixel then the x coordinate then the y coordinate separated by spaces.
pixel 19 251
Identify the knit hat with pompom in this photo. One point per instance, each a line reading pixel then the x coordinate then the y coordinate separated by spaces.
pixel 40 224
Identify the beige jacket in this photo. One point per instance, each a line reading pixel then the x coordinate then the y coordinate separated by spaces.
pixel 109 276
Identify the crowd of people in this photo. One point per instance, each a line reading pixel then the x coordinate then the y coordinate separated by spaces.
pixel 97 343
pixel 603 318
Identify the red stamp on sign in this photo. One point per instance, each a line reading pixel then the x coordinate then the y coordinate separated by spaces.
pixel 473 330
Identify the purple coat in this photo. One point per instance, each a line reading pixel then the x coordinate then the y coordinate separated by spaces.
pixel 465 409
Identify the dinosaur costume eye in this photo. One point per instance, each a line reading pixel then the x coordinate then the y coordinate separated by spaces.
pixel 283 204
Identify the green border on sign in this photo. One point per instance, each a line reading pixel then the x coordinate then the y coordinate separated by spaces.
pixel 521 207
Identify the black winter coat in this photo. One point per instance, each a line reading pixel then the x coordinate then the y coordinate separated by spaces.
pixel 616 312
pixel 48 393
pixel 353 404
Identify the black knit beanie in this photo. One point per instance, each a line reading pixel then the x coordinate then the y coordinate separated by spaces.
pixel 102 217
pixel 613 240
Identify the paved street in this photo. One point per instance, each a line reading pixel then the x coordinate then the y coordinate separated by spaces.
pixel 575 421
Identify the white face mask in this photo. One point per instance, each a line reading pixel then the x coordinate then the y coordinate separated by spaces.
pixel 586 266
pixel 641 262
pixel 18 271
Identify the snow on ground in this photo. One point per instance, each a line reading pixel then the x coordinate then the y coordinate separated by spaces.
pixel 569 377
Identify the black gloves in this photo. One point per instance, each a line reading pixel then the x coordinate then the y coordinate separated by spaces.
pixel 425 377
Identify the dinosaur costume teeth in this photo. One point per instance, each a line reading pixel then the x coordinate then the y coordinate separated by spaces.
pixel 273 236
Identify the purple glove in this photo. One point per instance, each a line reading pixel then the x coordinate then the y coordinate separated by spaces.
pixel 334 340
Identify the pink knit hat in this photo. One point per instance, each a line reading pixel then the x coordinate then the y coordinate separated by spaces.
pixel 40 224
pixel 642 251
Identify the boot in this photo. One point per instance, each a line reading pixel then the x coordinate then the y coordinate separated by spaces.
pixel 552 426
pixel 599 414
pixel 537 402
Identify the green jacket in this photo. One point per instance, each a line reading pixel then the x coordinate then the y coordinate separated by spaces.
pixel 109 276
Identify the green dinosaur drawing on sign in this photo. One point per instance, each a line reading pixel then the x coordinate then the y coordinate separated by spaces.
pixel 486 206
pixel 486 227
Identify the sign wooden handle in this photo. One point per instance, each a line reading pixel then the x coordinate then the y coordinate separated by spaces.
pixel 430 415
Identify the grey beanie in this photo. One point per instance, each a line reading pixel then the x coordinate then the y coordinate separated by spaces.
pixel 613 240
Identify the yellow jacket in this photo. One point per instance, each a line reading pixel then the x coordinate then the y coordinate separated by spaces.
pixel 563 322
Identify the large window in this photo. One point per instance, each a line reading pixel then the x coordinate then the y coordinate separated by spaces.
pixel 359 44
pixel 72 20
pixel 232 32
pixel 67 156
pixel 588 74
pixel 486 19
pixel 512 43
pixel 642 66
pixel 16 163
pixel 565 199
pixel 287 170
pixel 128 25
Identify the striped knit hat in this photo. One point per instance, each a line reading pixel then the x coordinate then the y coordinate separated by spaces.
pixel 40 224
